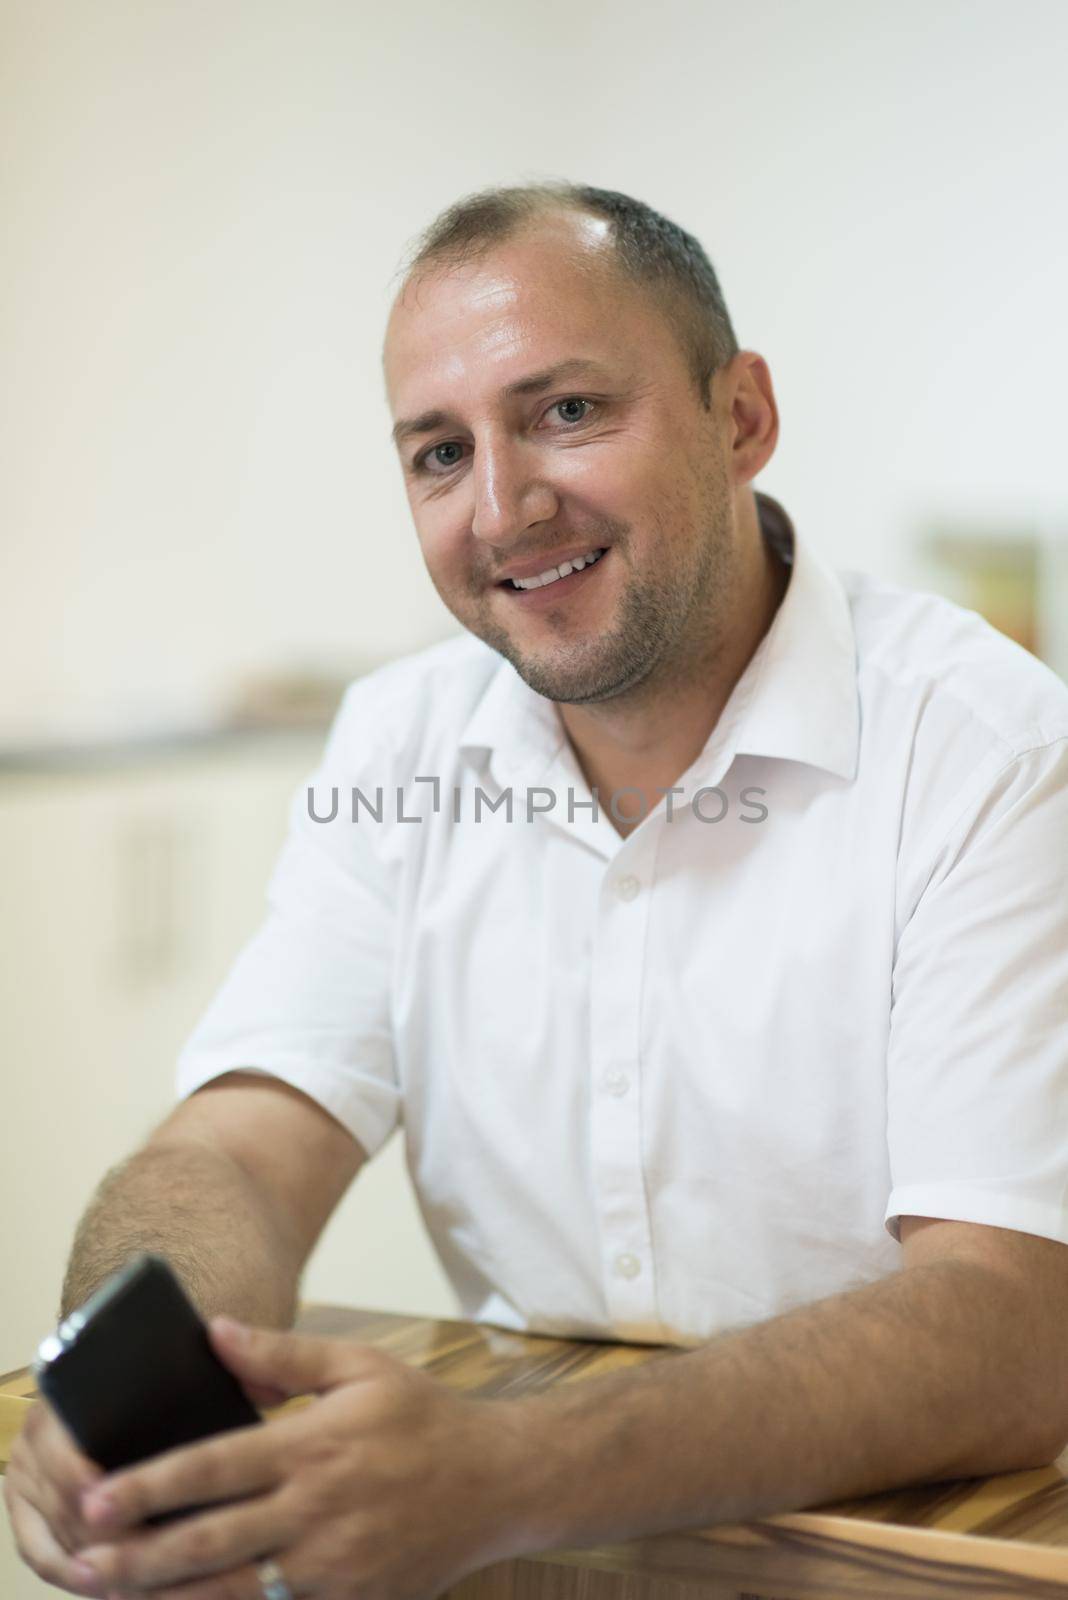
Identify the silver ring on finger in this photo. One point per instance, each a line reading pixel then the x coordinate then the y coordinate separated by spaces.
pixel 272 1582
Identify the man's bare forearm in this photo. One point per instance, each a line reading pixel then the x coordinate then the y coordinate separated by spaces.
pixel 918 1378
pixel 200 1210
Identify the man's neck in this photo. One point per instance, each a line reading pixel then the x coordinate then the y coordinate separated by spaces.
pixel 646 741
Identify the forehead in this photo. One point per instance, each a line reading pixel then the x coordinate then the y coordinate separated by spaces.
pixel 530 302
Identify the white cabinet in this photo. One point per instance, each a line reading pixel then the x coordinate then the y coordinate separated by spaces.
pixel 128 887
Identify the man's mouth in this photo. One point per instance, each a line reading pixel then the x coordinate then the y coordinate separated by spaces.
pixel 561 580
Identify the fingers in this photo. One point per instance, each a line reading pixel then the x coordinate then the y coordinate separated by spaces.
pixel 37 1546
pixel 199 1546
pixel 227 1466
pixel 264 1395
pixel 295 1363
pixel 51 1473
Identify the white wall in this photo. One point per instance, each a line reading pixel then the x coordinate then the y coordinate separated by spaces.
pixel 202 202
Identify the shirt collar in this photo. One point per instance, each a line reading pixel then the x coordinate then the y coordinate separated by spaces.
pixel 805 704
pixel 796 700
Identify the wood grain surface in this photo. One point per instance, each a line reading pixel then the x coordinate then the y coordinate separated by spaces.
pixel 1000 1538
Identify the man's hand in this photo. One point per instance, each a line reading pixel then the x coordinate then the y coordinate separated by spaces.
pixel 389 1486
pixel 46 1477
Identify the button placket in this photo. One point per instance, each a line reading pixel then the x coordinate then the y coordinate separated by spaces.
pixel 616 985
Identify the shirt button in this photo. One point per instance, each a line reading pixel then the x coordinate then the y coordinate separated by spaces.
pixel 627 887
pixel 628 1266
pixel 616 1082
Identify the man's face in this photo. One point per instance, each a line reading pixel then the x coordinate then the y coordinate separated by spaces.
pixel 617 457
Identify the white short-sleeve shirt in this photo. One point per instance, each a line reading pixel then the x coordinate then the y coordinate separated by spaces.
pixel 659 1086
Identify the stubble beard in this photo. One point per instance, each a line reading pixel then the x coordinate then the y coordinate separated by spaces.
pixel 671 623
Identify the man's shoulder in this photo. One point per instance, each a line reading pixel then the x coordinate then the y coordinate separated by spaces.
pixel 417 700
pixel 927 646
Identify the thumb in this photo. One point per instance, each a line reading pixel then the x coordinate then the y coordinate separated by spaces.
pixel 283 1362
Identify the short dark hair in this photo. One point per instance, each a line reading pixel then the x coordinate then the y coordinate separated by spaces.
pixel 649 250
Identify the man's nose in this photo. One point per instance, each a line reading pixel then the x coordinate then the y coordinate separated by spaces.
pixel 510 493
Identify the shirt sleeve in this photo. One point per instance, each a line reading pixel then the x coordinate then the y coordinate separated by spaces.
pixel 308 997
pixel 977 1068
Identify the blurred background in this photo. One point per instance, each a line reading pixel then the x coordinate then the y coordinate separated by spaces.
pixel 203 530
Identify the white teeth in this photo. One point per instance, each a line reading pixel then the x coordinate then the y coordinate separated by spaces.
pixel 553 573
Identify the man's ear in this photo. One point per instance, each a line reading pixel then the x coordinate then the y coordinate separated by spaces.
pixel 754 416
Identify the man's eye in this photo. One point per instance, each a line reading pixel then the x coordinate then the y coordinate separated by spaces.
pixel 422 461
pixel 572 400
pixel 431 462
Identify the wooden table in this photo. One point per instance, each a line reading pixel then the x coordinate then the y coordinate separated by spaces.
pixel 999 1538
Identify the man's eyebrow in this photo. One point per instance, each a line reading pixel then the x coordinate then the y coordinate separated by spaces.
pixel 533 384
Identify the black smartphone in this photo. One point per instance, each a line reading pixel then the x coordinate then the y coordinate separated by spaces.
pixel 132 1372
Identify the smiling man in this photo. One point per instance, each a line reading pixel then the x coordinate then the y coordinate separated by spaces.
pixel 581 500
pixel 700 911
